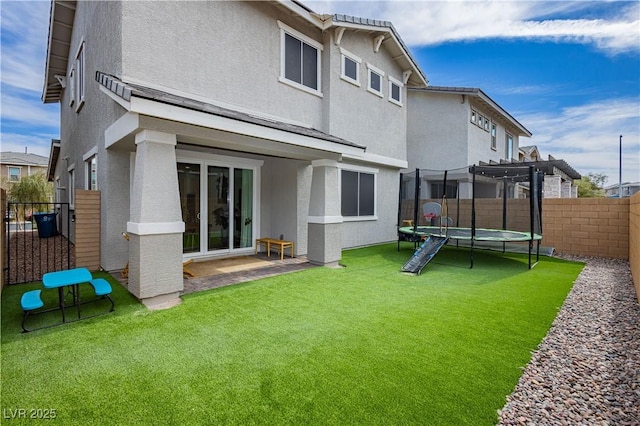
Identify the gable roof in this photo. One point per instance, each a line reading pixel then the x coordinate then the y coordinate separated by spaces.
pixel 23 159
pixel 483 99
pixel 63 13
pixel 385 32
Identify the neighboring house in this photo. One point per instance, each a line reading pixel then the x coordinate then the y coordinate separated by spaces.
pixel 252 119
pixel 16 165
pixel 451 128
pixel 558 174
pixel 628 189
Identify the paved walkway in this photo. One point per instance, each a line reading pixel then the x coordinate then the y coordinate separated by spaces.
pixel 275 267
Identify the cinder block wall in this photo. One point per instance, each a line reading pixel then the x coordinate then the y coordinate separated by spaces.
pixel 587 226
pixel 598 227
pixel 634 240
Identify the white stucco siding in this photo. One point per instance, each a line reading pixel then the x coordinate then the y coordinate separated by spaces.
pixel 226 52
pixel 97 25
pixel 356 114
pixel 437 131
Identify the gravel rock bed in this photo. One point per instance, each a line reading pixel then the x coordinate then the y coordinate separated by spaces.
pixel 586 371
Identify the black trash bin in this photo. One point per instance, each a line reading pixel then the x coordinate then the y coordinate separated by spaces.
pixel 46 224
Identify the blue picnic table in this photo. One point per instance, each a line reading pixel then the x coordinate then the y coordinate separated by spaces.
pixel 31 301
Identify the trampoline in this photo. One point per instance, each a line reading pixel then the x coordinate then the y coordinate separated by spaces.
pixel 421 215
pixel 481 234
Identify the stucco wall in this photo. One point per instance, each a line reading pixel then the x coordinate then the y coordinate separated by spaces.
pixel 98 25
pixel 356 114
pixel 634 240
pixel 436 131
pixel 223 51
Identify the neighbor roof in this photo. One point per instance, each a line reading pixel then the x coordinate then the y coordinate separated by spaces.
pixel 23 159
pixel 482 98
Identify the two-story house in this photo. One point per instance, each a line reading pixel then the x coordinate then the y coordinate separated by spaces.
pixel 210 124
pixel 16 165
pixel 451 128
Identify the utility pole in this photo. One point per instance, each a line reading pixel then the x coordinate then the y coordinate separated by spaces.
pixel 620 172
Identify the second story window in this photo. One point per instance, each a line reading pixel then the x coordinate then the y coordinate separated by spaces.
pixel 300 60
pixel 375 80
pixel 508 147
pixel 395 91
pixel 79 77
pixel 493 136
pixel 14 174
pixel 350 67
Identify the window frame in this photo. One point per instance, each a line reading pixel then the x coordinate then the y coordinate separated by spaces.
pixel 71 177
pixel 345 54
pixel 287 30
pixel 79 79
pixel 373 70
pixel 19 175
pixel 392 82
pixel 89 158
pixel 494 136
pixel 508 154
pixel 360 171
pixel 474 117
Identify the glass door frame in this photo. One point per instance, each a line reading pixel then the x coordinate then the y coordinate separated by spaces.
pixel 232 163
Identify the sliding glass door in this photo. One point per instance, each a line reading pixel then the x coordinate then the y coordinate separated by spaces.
pixel 226 194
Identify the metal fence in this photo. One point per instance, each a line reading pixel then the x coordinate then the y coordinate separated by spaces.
pixel 36 243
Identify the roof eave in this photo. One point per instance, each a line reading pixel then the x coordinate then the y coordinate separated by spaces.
pixel 52 88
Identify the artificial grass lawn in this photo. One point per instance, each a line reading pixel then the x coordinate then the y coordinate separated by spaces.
pixel 363 344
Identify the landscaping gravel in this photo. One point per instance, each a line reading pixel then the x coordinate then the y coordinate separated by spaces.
pixel 586 371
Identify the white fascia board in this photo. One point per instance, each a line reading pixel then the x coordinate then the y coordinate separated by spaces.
pixel 378 159
pixel 123 103
pixel 303 13
pixel 387 30
pixel 126 125
pixel 175 113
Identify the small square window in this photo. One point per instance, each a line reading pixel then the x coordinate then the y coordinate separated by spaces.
pixel 350 67
pixel 486 124
pixel 480 121
pixel 474 117
pixel 375 77
pixel 395 91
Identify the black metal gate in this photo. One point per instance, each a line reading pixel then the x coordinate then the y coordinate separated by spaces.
pixel 37 240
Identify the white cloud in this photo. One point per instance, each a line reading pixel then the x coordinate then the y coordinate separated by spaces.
pixel 24 43
pixel 28 111
pixel 423 23
pixel 35 143
pixel 587 137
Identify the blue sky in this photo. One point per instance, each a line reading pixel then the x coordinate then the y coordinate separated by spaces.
pixel 568 71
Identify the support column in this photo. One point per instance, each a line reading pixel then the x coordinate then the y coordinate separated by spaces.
pixel 155 227
pixel 325 216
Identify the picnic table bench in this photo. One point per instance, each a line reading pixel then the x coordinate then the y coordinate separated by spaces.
pixel 31 301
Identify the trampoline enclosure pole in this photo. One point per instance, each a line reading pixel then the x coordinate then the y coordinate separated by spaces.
pixel 416 201
pixel 532 198
pixel 473 211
